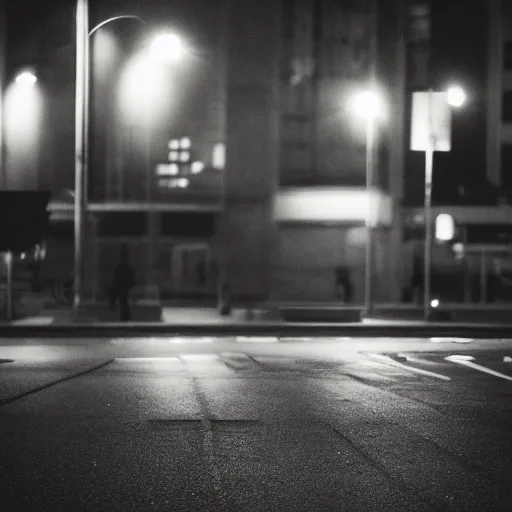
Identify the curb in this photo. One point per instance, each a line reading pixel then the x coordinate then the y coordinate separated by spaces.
pixel 135 330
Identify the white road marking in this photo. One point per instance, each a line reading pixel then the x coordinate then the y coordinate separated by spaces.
pixel 392 362
pixel 463 361
pixel 144 359
pixel 257 339
pixel 451 340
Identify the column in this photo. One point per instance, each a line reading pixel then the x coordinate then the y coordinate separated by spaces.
pixel 246 225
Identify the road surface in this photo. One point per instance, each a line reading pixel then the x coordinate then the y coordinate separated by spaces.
pixel 256 425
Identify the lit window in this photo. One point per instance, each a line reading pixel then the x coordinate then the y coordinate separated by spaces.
pixel 185 156
pixel 196 167
pixel 186 143
pixel 174 169
pixel 174 156
pixel 174 144
pixel 182 182
pixel 219 156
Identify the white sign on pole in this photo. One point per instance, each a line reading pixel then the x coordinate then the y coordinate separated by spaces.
pixel 431 116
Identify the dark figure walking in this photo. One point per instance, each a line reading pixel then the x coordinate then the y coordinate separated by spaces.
pixel 121 286
pixel 344 289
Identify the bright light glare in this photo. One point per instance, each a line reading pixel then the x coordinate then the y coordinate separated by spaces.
pixel 435 303
pixel 26 78
pixel 197 167
pixel 219 156
pixel 456 96
pixel 166 48
pixel 445 227
pixel 186 143
pixel 142 89
pixel 174 144
pixel 185 157
pixel 367 104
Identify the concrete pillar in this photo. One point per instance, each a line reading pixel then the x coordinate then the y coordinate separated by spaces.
pixel 393 74
pixel 250 182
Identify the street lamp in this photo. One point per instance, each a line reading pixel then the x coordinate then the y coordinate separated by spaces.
pixel 26 78
pixel 431 131
pixel 456 96
pixel 164 48
pixel 369 106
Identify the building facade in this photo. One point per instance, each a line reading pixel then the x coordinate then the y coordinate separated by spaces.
pixel 242 163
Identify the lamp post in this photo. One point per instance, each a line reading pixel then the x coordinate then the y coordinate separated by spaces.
pixel 368 105
pixel 431 131
pixel 165 47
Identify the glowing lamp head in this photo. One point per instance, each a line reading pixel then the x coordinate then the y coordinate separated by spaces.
pixel 456 96
pixel 435 303
pixel 166 48
pixel 26 78
pixel 367 104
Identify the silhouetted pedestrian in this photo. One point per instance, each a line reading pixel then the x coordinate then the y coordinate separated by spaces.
pixel 344 288
pixel 122 283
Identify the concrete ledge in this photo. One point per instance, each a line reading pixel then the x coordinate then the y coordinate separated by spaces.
pixel 320 314
pixel 136 330
pixel 143 311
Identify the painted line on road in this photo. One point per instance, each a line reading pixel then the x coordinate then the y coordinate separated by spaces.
pixel 143 359
pixel 392 362
pixel 451 340
pixel 257 339
pixel 464 361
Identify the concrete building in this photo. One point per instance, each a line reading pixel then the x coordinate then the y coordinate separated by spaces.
pixel 249 169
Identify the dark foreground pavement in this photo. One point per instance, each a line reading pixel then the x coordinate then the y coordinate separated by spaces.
pixel 206 424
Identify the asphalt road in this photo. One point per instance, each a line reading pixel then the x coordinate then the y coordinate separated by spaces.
pixel 250 425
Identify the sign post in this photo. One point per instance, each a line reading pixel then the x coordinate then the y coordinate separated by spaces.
pixel 431 131
pixel 8 264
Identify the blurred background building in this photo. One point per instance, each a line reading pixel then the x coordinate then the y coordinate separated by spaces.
pixel 246 165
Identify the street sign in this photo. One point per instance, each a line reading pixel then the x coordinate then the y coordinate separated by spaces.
pixel 431 117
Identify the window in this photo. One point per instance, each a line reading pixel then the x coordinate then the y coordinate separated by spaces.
pixel 507 107
pixel 506 165
pixel 123 224
pixel 419 23
pixel 507 55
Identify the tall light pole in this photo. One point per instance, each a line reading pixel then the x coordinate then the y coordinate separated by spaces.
pixel 81 108
pixel 431 131
pixel 367 104
pixel 164 48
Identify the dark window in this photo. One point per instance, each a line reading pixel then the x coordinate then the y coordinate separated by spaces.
pixel 124 224
pixel 507 55
pixel 188 224
pixel 507 107
pixel 506 165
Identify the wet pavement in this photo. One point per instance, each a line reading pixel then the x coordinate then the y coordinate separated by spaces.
pixel 255 423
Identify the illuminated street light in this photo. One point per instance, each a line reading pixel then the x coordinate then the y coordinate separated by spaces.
pixel 166 48
pixel 456 96
pixel 26 78
pixel 368 105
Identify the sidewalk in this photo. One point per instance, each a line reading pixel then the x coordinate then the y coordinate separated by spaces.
pixel 181 321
